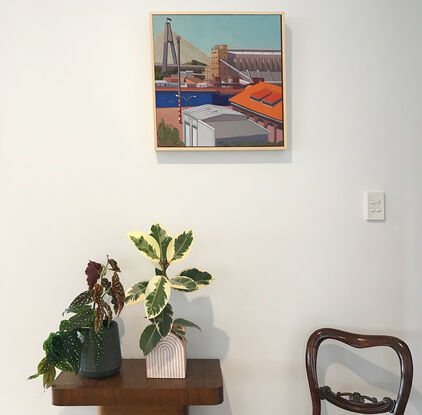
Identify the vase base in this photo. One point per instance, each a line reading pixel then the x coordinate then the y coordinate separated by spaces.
pixel 100 375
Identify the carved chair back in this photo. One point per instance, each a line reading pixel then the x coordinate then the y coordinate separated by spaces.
pixel 355 402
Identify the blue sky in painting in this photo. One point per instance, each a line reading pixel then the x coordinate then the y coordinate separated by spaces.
pixel 204 31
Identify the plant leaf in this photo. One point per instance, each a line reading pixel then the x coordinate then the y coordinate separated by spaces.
pixel 147 245
pixel 85 297
pixel 201 278
pixel 106 284
pixel 97 342
pixel 99 317
pixel 149 339
pixel 182 283
pixel 179 332
pixel 65 366
pixel 64 324
pixel 113 264
pixel 49 376
pixel 185 323
pixel 78 309
pixel 93 271
pixel 164 320
pixel 98 290
pixel 136 293
pixel 73 347
pixel 118 293
pixel 54 349
pixel 43 366
pixel 80 320
pixel 41 369
pixel 162 238
pixel 107 310
pixel 178 248
pixel 157 295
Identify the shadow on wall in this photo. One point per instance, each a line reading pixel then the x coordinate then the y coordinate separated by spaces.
pixel 236 156
pixel 211 343
pixel 370 372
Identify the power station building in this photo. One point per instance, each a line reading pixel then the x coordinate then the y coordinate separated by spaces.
pixel 249 65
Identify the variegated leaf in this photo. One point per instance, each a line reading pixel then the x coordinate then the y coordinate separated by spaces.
pixel 107 309
pixel 93 271
pixel 73 347
pixel 146 244
pixel 113 264
pixel 106 284
pixel 49 376
pixel 78 309
pixel 185 323
pixel 179 332
pixel 99 318
pixel 83 318
pixel 83 298
pixel 149 339
pixel 163 239
pixel 41 369
pixel 97 342
pixel 157 295
pixel 65 366
pixel 98 290
pixel 201 278
pixel 164 320
pixel 136 293
pixel 182 283
pixel 54 348
pixel 43 366
pixel 179 247
pixel 118 292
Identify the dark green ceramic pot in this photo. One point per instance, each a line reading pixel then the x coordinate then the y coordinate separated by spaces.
pixel 110 361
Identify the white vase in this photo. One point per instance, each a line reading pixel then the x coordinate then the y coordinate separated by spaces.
pixel 168 358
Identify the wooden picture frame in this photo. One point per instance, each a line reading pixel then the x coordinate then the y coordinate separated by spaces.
pixel 233 99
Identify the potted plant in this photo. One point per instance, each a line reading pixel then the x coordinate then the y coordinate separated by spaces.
pixel 163 342
pixel 88 341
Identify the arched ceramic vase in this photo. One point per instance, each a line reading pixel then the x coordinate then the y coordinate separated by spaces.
pixel 168 359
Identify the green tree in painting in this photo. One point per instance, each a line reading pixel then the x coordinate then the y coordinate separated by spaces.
pixel 159 75
pixel 195 62
pixel 168 136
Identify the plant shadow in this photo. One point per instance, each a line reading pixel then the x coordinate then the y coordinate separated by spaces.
pixel 210 343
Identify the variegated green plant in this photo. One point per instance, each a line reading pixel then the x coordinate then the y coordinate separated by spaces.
pixel 163 250
pixel 91 313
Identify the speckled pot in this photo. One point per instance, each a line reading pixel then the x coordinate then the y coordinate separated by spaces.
pixel 110 361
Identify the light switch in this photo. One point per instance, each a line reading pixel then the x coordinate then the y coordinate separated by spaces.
pixel 374 206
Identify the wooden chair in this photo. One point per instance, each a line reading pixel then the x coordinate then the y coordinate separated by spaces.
pixel 355 402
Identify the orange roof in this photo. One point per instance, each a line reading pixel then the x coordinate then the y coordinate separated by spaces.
pixel 193 80
pixel 263 98
pixel 173 78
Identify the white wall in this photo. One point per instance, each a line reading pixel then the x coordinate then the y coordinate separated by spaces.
pixel 282 233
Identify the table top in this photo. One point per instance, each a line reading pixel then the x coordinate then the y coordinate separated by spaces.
pixel 203 385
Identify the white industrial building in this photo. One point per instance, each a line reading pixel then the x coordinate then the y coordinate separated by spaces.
pixel 214 125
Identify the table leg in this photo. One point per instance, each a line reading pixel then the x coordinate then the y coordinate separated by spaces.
pixel 142 410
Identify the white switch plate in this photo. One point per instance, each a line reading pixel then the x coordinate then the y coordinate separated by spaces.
pixel 374 206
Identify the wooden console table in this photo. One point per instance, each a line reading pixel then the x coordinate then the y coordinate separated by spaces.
pixel 129 392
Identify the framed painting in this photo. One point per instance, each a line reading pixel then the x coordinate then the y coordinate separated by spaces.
pixel 219 81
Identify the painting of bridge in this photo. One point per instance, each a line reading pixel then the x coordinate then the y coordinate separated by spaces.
pixel 219 81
